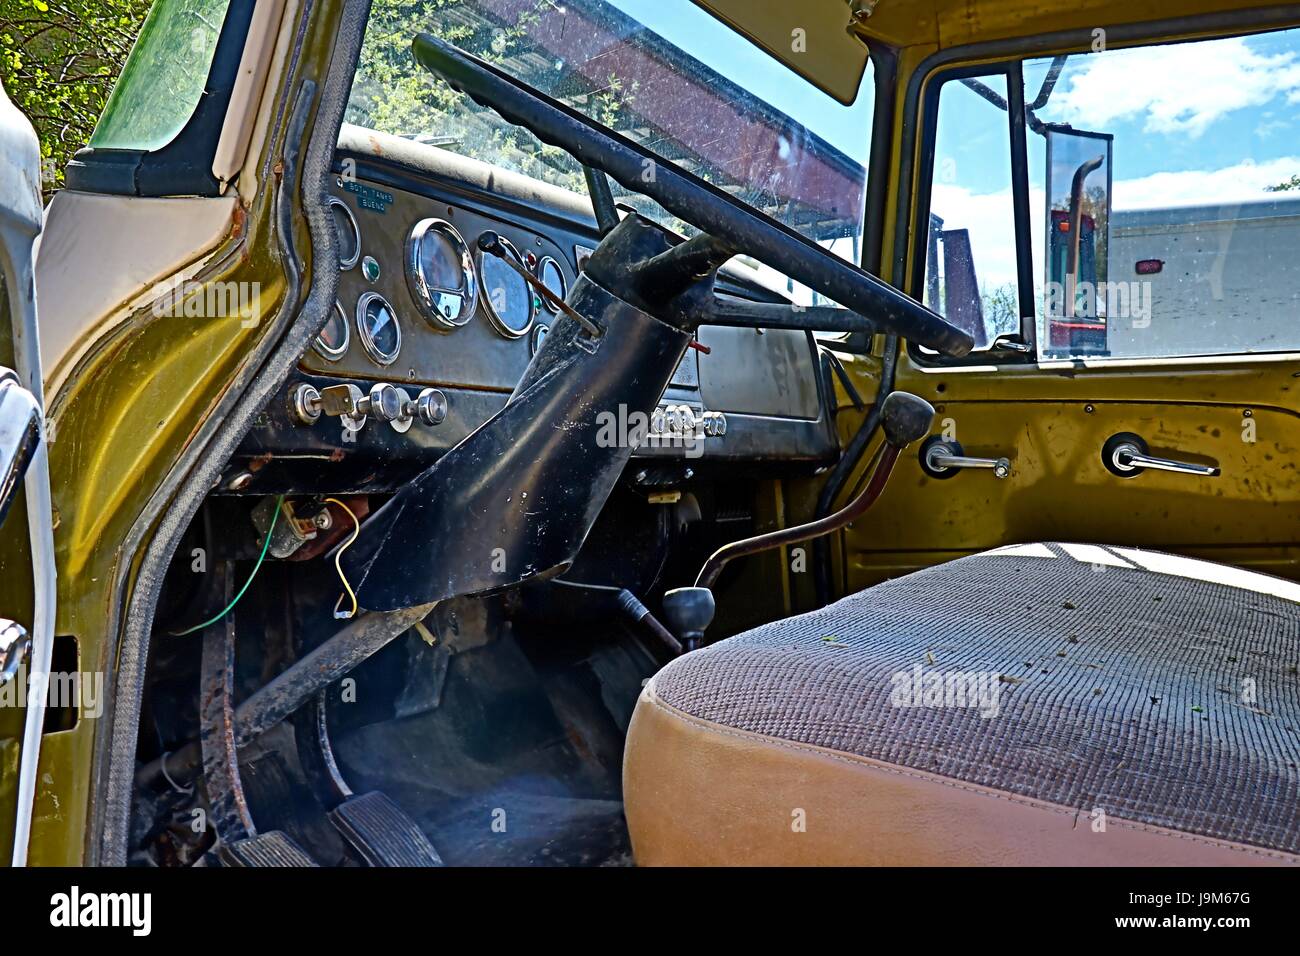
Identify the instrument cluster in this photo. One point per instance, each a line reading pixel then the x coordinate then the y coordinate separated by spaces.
pixel 446 282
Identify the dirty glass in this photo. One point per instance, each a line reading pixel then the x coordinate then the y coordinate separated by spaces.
pixel 667 75
pixel 970 274
pixel 164 76
pixel 1187 246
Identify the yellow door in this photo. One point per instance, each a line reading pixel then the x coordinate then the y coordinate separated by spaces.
pixel 1124 257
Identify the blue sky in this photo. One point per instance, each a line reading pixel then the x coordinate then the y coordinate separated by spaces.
pixel 848 128
pixel 1211 122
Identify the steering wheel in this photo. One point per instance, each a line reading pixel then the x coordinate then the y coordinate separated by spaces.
pixel 878 306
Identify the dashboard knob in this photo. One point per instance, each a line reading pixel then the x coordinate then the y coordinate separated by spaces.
pixel 385 402
pixel 391 404
pixel 431 406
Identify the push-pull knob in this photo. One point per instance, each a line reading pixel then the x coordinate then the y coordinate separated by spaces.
pixel 388 403
pixel 431 406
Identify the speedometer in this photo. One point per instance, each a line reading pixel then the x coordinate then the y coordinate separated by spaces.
pixel 377 325
pixel 507 298
pixel 440 273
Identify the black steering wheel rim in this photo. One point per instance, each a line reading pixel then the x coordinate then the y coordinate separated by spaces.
pixel 690 198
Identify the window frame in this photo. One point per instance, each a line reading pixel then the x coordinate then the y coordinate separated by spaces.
pixel 182 167
pixel 1003 56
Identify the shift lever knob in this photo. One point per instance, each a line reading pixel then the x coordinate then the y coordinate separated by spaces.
pixel 689 612
pixel 906 418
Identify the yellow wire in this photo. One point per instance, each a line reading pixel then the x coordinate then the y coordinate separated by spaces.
pixel 356 530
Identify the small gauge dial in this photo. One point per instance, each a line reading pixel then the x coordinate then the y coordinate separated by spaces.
pixel 507 298
pixel 332 341
pixel 551 276
pixel 345 225
pixel 440 273
pixel 377 325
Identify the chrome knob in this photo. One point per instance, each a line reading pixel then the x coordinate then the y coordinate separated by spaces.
pixel 391 404
pixel 431 406
pixel 715 424
pixel 384 402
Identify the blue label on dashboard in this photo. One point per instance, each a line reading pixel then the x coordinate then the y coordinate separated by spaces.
pixel 368 197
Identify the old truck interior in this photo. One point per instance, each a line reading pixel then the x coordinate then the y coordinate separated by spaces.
pixel 598 432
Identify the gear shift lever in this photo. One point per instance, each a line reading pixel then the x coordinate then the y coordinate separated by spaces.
pixel 904 417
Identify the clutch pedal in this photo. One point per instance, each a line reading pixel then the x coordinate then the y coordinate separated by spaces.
pixel 273 848
pixel 381 832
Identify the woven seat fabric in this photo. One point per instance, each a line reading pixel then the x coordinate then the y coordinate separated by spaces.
pixel 1154 688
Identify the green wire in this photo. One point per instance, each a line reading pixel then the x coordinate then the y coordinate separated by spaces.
pixel 279 502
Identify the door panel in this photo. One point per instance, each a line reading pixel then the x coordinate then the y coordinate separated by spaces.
pixel 1052 427
pixel 1127 248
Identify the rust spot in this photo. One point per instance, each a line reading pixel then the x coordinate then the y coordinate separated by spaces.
pixel 257 464
pixel 337 453
pixel 238 220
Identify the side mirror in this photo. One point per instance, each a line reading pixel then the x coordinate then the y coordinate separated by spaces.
pixel 1078 218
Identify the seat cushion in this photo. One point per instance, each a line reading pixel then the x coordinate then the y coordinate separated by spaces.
pixel 1045 703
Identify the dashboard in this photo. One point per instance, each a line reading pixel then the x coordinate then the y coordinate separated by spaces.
pixel 430 334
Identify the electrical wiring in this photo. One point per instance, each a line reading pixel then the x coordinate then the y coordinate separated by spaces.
pixel 279 503
pixel 356 530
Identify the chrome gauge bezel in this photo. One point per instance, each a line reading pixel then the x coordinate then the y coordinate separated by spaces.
pixel 323 350
pixel 498 323
pixel 346 264
pixel 367 341
pixel 564 283
pixel 423 293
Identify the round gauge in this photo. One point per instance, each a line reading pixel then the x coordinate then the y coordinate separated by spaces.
pixel 506 295
pixel 440 273
pixel 377 325
pixel 345 224
pixel 552 276
pixel 332 341
pixel 538 336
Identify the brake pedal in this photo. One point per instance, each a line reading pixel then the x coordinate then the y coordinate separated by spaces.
pixel 381 832
pixel 273 848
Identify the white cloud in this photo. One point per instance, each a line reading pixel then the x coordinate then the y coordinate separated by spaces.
pixel 1243 182
pixel 1181 88
pixel 988 216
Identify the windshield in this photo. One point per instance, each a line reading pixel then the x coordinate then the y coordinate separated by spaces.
pixel 164 76
pixel 664 73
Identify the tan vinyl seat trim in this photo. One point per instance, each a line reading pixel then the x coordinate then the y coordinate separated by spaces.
pixel 700 793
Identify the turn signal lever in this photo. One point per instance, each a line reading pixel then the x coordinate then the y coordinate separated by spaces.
pixel 904 417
